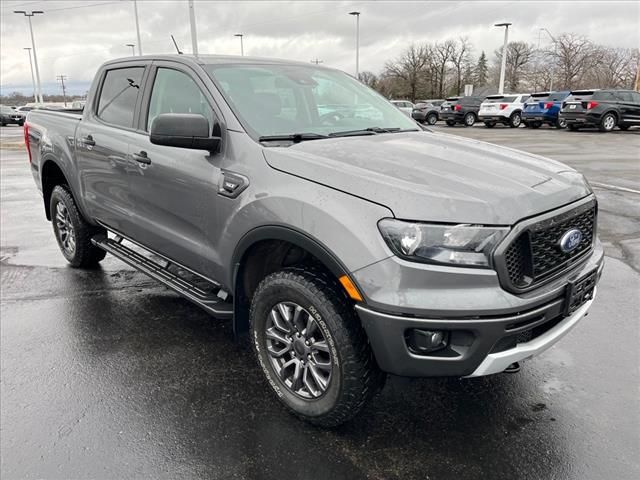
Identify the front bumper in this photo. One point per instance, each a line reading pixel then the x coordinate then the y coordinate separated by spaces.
pixel 483 339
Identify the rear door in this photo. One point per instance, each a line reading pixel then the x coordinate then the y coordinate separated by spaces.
pixel 102 144
pixel 630 107
pixel 175 193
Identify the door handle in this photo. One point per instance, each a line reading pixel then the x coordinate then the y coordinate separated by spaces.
pixel 141 157
pixel 88 141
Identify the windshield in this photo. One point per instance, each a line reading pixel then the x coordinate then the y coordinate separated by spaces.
pixel 274 99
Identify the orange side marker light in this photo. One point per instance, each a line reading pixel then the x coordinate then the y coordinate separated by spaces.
pixel 351 289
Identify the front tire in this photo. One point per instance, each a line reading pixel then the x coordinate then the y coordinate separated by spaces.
pixel 311 347
pixel 607 122
pixel 72 231
pixel 432 118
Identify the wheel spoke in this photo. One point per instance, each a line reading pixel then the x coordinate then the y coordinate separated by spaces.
pixel 275 353
pixel 273 334
pixel 310 327
pixel 279 322
pixel 320 381
pixel 326 366
pixel 321 346
pixel 296 380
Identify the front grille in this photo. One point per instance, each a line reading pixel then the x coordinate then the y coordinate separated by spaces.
pixel 534 255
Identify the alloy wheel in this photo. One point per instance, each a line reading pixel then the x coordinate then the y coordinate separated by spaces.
pixel 64 228
pixel 298 350
pixel 609 122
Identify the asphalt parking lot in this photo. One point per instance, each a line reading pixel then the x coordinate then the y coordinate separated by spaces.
pixel 105 374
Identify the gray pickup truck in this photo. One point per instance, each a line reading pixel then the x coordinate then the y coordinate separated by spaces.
pixel 346 240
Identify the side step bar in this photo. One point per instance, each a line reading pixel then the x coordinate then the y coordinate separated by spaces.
pixel 204 294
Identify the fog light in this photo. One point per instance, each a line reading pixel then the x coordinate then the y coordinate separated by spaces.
pixel 425 341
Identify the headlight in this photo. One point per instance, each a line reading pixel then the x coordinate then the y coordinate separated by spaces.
pixel 466 245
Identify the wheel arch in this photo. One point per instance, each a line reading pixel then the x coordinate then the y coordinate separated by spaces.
pixel 52 174
pixel 283 244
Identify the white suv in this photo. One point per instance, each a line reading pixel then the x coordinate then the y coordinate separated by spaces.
pixel 404 105
pixel 505 109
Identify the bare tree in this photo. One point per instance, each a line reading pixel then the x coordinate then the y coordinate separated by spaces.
pixel 368 78
pixel 519 55
pixel 410 68
pixel 614 67
pixel 442 54
pixel 574 55
pixel 460 59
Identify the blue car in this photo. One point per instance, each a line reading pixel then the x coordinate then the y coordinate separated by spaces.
pixel 544 107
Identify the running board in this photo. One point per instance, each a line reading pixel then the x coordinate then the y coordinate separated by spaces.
pixel 205 294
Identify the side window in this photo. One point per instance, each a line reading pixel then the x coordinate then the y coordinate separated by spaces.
pixel 635 97
pixel 176 92
pixel 119 95
pixel 627 97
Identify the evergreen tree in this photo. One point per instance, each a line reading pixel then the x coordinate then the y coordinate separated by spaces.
pixel 482 70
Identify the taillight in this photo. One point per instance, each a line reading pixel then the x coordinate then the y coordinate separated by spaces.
pixel 503 106
pixel 457 108
pixel 548 105
pixel 26 140
pixel 591 105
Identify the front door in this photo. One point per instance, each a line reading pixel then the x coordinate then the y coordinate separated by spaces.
pixel 174 190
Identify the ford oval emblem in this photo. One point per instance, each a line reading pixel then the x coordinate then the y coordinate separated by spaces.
pixel 570 240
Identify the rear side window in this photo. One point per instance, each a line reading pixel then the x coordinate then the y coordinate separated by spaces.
pixel 611 96
pixel 119 95
pixel 176 92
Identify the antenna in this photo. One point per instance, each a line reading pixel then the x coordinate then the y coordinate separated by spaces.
pixel 174 42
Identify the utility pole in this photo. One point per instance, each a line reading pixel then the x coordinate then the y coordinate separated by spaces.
pixel 33 79
pixel 194 33
pixel 503 67
pixel 33 45
pixel 357 15
pixel 62 78
pixel 316 61
pixel 135 11
pixel 241 35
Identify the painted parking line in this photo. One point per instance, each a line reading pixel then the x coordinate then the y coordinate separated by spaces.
pixel 614 187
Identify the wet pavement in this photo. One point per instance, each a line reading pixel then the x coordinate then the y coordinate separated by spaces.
pixel 105 374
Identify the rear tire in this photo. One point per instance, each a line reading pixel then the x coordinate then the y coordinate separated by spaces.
pixel 294 310
pixel 515 120
pixel 432 118
pixel 450 123
pixel 607 122
pixel 561 123
pixel 469 119
pixel 72 231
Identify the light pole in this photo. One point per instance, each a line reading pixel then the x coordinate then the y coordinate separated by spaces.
pixel 503 67
pixel 33 45
pixel 194 33
pixel 135 11
pixel 357 15
pixel 555 46
pixel 133 52
pixel 33 79
pixel 241 35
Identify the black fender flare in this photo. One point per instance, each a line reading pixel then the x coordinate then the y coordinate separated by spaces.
pixel 275 232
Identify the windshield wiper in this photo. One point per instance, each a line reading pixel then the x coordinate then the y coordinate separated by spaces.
pixel 371 131
pixel 292 137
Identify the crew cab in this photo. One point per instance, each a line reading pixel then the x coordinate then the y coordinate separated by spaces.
pixel 605 109
pixel 347 243
pixel 505 109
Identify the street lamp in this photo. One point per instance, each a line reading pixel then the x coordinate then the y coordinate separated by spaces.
pixel 503 67
pixel 135 11
pixel 241 35
pixel 33 45
pixel 357 15
pixel 194 32
pixel 133 46
pixel 33 79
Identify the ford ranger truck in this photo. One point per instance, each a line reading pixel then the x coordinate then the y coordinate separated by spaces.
pixel 293 201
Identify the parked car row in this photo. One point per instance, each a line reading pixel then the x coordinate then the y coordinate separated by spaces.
pixel 605 109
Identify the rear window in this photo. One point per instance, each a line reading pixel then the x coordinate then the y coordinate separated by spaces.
pixel 452 99
pixel 500 99
pixel 119 95
pixel 558 96
pixel 579 95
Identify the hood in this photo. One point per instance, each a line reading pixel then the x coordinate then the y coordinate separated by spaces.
pixel 435 177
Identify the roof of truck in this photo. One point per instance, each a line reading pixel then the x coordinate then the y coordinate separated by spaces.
pixel 214 60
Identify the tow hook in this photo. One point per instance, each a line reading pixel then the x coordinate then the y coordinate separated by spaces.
pixel 513 368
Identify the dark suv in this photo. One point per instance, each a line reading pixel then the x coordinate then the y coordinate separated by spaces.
pixel 604 109
pixel 460 110
pixel 427 111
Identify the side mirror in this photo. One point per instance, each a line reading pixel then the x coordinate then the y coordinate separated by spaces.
pixel 184 130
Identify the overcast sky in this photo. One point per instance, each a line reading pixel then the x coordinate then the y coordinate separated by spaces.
pixel 74 37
